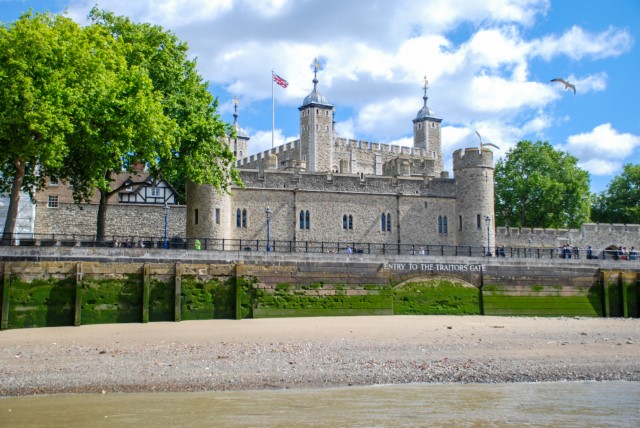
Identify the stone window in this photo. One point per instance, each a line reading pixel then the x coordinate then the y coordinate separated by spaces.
pixel 478 221
pixel 217 215
pixel 442 224
pixel 241 218
pixel 195 216
pixel 347 222
pixel 459 222
pixel 53 201
pixel 385 222
pixel 305 222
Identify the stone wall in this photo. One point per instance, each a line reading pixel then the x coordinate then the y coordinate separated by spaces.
pixel 599 236
pixel 122 220
pixel 73 286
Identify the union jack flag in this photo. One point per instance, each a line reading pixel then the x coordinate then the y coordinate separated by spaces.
pixel 280 81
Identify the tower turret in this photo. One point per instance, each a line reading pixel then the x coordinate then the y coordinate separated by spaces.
pixel 473 174
pixel 240 144
pixel 316 128
pixel 208 212
pixel 426 132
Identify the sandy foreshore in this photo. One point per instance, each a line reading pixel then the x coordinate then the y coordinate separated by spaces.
pixel 316 352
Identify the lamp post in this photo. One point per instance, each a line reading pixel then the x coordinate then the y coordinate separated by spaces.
pixel 488 220
pixel 166 224
pixel 268 213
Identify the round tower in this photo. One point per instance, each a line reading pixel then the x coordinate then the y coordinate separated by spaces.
pixel 316 128
pixel 473 175
pixel 427 132
pixel 208 212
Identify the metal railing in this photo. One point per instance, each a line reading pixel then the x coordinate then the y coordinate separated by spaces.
pixel 290 246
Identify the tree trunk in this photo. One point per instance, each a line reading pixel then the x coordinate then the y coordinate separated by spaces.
pixel 14 203
pixel 102 216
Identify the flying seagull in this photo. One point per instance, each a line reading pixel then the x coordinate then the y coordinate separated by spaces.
pixel 566 84
pixel 485 144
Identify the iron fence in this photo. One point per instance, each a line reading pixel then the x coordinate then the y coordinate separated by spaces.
pixel 290 246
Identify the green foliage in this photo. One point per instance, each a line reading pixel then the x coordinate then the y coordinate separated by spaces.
pixel 539 186
pixel 198 151
pixel 620 203
pixel 42 82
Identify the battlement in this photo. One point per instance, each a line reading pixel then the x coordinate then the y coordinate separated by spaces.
pixel 472 158
pixel 281 149
pixel 597 235
pixel 356 183
pixel 380 147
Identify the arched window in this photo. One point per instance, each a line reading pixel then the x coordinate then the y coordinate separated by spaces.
pixel 350 222
pixel 344 221
pixel 301 219
pixel 383 222
pixel 444 225
pixel 244 218
pixel 388 222
pixel 238 224
pixel 308 221
pixel 439 224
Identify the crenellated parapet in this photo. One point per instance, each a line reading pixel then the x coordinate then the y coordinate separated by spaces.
pixel 472 158
pixel 599 236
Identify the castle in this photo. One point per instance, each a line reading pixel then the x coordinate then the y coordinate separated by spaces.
pixel 329 189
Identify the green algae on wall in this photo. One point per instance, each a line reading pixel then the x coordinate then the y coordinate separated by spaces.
pixel 42 303
pixel 542 300
pixel 211 299
pixel 106 301
pixel 288 300
pixel 436 297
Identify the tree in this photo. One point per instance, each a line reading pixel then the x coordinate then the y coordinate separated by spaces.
pixel 196 149
pixel 539 186
pixel 620 202
pixel 39 90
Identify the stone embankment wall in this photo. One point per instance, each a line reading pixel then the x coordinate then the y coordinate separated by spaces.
pixel 74 286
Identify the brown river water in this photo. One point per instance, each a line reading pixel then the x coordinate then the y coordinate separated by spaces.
pixel 555 404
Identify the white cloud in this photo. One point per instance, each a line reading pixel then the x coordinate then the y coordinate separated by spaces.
pixel 576 43
pixel 601 167
pixel 260 141
pixel 478 55
pixel 602 142
pixel 603 149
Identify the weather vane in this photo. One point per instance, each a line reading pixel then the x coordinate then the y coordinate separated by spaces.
pixel 426 85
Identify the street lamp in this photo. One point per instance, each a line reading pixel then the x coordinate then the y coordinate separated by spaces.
pixel 166 223
pixel 268 212
pixel 488 220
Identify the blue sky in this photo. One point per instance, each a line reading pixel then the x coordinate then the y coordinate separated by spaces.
pixel 488 63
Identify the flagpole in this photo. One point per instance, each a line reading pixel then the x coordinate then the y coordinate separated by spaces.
pixel 273 115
